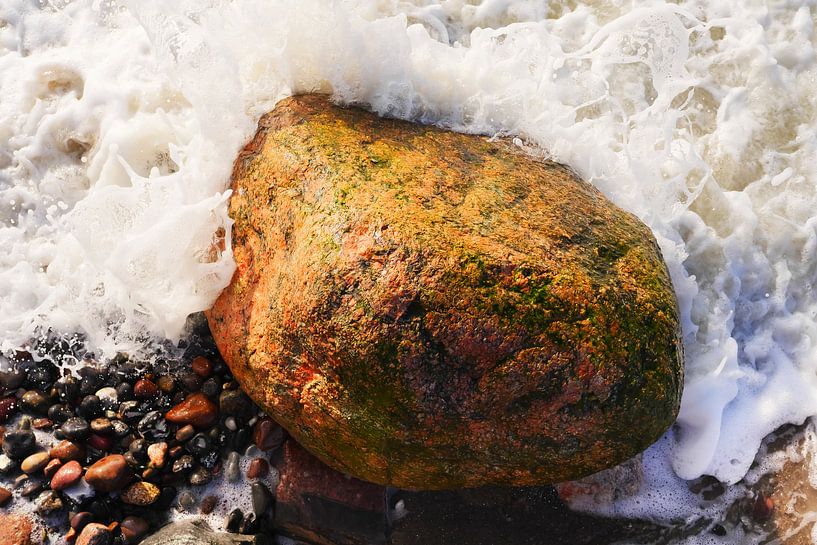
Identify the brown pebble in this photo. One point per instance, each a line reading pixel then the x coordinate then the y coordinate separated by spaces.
pixel 66 451
pixel 176 451
pixel 185 432
pixel 109 474
pixel 42 424
pixel 95 534
pixel 267 434
pixel 5 496
pixel 166 383
pixel 196 409
pixel 35 462
pixel 51 468
pixel 81 520
pixel 144 389
pixel 133 528
pixel 202 367
pixel 66 475
pixel 141 493
pixel 208 504
pixel 258 468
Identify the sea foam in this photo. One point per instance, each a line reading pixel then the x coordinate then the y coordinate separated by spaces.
pixel 119 122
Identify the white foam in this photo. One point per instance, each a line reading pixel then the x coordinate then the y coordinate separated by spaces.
pixel 119 123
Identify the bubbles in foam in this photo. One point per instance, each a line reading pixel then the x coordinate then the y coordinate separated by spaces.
pixel 119 123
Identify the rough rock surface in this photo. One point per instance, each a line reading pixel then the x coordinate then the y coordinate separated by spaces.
pixel 16 530
pixel 430 310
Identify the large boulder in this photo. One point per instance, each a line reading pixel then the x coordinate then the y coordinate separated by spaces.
pixel 430 310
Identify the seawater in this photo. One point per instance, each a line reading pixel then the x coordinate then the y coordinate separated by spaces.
pixel 119 121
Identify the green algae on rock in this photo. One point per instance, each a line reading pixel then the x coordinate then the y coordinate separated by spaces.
pixel 430 310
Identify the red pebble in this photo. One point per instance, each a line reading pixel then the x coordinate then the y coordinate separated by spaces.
pixel 100 443
pixel 144 389
pixel 267 434
pixel 202 367
pixel 66 475
pixel 8 406
pixel 196 409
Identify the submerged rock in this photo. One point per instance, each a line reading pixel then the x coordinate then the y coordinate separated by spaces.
pixel 198 533
pixel 431 310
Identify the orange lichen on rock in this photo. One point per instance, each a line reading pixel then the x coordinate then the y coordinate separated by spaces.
pixel 429 309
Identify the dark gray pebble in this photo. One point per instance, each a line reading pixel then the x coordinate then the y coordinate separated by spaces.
pixel 75 428
pixel 19 443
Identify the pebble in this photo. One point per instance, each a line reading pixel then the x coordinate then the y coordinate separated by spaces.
pixel 35 463
pixel 102 426
pixel 249 525
pixel 157 454
pixel 145 389
pixel 90 407
pixel 108 397
pixel 67 475
pixel 5 496
pixel 257 469
pixel 7 465
pixel 234 402
pixel 230 423
pixel 19 443
pixel 185 432
pixel 30 489
pixel 208 504
pixel 124 392
pixel 95 534
pixel 198 445
pixel 184 463
pixel 196 409
pixel 211 388
pixel 8 406
pixel 75 428
pixel 261 498
pixel 141 493
pixel 200 477
pixel 109 474
pixel 231 470
pixel 202 367
pixel 51 468
pixel 166 384
pixel 42 424
pixel 59 413
pixel 186 501
pixel 81 520
pixel 48 502
pixel 139 449
pixel 99 442
pixel 120 429
pixel 35 401
pixel 267 434
pixel 190 382
pixel 66 451
pixel 67 389
pixel 11 380
pixel 234 520
pixel 153 427
pixel 133 528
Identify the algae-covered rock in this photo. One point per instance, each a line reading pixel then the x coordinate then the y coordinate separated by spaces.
pixel 430 310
